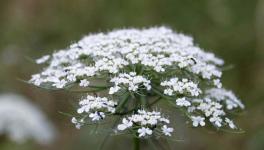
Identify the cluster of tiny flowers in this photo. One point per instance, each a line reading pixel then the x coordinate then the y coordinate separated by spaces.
pixel 159 49
pixel 146 62
pixel 176 86
pixel 146 123
pixel 130 81
pixel 182 102
pixel 212 107
pixel 229 98
pixel 94 108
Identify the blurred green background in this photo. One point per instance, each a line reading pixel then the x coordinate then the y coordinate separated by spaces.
pixel 232 29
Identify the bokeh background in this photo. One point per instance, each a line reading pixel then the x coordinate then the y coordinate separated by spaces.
pixel 232 29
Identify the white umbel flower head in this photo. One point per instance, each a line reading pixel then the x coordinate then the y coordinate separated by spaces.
pixel 135 66
pixel 157 49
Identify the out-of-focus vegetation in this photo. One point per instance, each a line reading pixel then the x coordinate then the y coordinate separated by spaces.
pixel 233 29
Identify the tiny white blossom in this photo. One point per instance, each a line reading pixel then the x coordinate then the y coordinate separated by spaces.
pixel 84 83
pixel 228 97
pixel 71 78
pixel 42 59
pixel 198 120
pixel 217 83
pixel 78 124
pixel 144 132
pixel 114 89
pixel 216 120
pixel 97 116
pixel 182 102
pixel 230 123
pixel 60 84
pixel 125 124
pixel 167 131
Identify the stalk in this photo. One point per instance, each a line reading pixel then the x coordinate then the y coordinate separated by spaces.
pixel 136 143
pixel 143 101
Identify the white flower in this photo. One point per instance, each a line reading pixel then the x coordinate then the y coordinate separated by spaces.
pixel 74 120
pixel 198 120
pixel 167 131
pixel 217 83
pixel 126 124
pixel 71 78
pixel 144 132
pixel 191 109
pixel 60 84
pixel 157 49
pixel 174 85
pixel 230 123
pixel 97 116
pixel 148 122
pixel 95 107
pixel 168 92
pixel 152 121
pixel 84 83
pixel 131 81
pixel 216 120
pixel 182 102
pixel 164 120
pixel 43 59
pixel 114 89
pixel 78 124
pixel 148 62
pixel 228 97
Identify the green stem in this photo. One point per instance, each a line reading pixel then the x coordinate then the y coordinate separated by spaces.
pixel 99 86
pixel 122 102
pixel 136 143
pixel 143 101
pixel 156 91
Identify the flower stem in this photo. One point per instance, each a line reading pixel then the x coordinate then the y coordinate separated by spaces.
pixel 143 101
pixel 136 143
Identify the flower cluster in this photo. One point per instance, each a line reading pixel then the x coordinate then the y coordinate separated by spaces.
pixel 228 97
pixel 146 123
pixel 212 107
pixel 94 108
pixel 130 81
pixel 182 102
pixel 176 86
pixel 158 49
pixel 139 64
